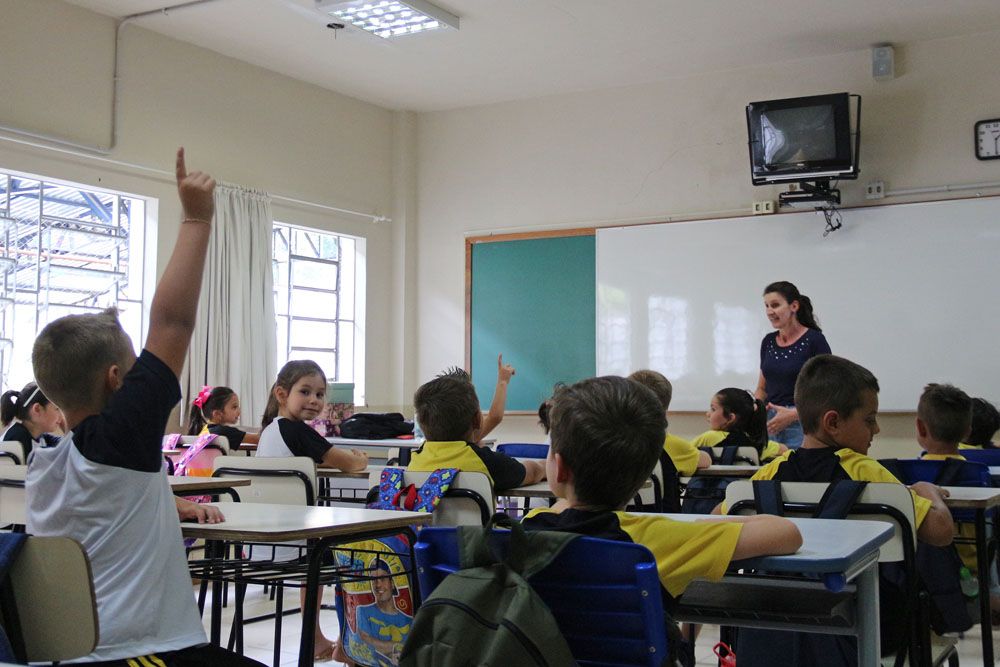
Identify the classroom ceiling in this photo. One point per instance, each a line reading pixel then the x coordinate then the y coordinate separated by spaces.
pixel 519 49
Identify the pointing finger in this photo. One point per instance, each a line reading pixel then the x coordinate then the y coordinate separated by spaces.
pixel 181 168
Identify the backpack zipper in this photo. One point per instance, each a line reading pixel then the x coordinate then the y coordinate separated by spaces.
pixel 526 643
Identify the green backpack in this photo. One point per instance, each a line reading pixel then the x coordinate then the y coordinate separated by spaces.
pixel 486 614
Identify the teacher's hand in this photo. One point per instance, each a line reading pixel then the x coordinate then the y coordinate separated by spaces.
pixel 782 419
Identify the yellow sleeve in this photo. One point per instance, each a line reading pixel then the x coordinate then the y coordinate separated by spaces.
pixel 771 450
pixel 709 439
pixel 683 454
pixel 684 550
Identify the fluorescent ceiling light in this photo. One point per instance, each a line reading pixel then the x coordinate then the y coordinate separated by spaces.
pixel 389 18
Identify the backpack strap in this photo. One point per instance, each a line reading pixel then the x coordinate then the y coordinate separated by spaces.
pixel 839 498
pixel 892 465
pixel 728 456
pixel 192 451
pixel 389 485
pixel 171 441
pixel 949 472
pixel 767 497
pixel 529 552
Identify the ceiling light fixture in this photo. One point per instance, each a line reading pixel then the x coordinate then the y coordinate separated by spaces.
pixel 389 18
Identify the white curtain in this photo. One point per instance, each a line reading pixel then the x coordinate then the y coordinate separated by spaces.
pixel 234 338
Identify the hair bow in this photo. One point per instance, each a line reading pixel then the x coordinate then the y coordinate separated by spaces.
pixel 202 396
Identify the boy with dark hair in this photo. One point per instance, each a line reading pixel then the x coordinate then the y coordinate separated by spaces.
pixel 102 484
pixel 448 411
pixel 685 456
pixel 985 424
pixel 837 402
pixel 944 415
pixel 607 433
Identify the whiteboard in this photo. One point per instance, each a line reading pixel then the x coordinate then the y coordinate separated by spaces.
pixel 909 291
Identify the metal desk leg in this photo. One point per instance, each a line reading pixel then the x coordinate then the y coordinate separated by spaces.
pixel 217 550
pixel 310 613
pixel 869 649
pixel 983 566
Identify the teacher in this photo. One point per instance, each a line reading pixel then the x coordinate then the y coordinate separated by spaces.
pixel 782 354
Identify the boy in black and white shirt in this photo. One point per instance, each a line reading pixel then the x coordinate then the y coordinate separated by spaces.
pixel 103 483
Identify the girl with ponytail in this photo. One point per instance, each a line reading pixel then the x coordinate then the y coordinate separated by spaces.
pixel 797 339
pixel 735 417
pixel 29 415
pixel 217 411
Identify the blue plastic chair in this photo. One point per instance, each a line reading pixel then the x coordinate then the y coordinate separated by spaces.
pixel 910 471
pixel 605 595
pixel 524 450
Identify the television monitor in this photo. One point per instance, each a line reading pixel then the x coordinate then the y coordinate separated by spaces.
pixel 802 139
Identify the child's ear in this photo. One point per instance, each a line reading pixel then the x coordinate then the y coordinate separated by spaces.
pixel 280 394
pixel 922 429
pixel 830 421
pixel 563 473
pixel 113 378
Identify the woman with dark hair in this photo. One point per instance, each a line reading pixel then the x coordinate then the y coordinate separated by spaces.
pixel 797 339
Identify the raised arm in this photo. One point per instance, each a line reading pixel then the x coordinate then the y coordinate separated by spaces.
pixel 175 302
pixel 493 418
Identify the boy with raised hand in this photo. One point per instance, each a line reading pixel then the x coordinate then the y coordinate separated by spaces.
pixel 448 411
pixel 103 483
pixel 607 434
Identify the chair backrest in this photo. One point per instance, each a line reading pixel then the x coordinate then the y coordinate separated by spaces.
pixel 967 473
pixel 468 502
pixel 604 595
pixel 878 502
pixel 990 457
pixel 53 594
pixel 747 455
pixel 11 452
pixel 13 502
pixel 524 450
pixel 284 480
pixel 220 441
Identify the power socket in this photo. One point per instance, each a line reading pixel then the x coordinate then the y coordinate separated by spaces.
pixel 763 207
pixel 875 190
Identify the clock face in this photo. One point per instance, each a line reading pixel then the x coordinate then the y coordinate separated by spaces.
pixel 988 139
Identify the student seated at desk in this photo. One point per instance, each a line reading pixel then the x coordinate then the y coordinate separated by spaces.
pixel 448 411
pixel 607 435
pixel 102 484
pixel 837 402
pixel 685 456
pixel 298 395
pixel 32 418
pixel 216 410
pixel 985 424
pixel 944 415
pixel 736 418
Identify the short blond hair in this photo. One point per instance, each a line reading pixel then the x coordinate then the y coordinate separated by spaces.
pixel 72 352
pixel 658 383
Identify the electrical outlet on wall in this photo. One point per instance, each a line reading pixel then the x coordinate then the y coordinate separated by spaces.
pixel 875 190
pixel 763 207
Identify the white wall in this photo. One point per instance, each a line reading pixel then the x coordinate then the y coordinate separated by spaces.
pixel 243 124
pixel 673 149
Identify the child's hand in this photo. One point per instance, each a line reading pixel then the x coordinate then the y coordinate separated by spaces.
pixel 361 457
pixel 929 491
pixel 195 191
pixel 504 371
pixel 189 511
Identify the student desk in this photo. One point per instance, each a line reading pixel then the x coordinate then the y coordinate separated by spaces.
pixel 981 500
pixel 207 486
pixel 836 551
pixel 742 471
pixel 329 526
pixel 405 445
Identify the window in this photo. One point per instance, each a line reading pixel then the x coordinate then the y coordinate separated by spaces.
pixel 318 302
pixel 65 250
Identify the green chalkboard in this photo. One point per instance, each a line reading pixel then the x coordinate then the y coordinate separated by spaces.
pixel 533 300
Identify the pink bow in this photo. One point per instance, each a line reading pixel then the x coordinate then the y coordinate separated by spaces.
pixel 202 396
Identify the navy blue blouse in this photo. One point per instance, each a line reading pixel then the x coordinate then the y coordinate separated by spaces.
pixel 781 365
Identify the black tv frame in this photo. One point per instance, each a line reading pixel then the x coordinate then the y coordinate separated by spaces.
pixel 818 171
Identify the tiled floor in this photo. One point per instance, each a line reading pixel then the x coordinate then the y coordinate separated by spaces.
pixel 259 637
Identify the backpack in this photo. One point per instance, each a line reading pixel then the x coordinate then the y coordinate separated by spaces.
pixel 375 426
pixel 486 613
pixel 704 493
pixel 390 494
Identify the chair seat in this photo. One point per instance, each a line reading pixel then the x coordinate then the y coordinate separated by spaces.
pixel 769 600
